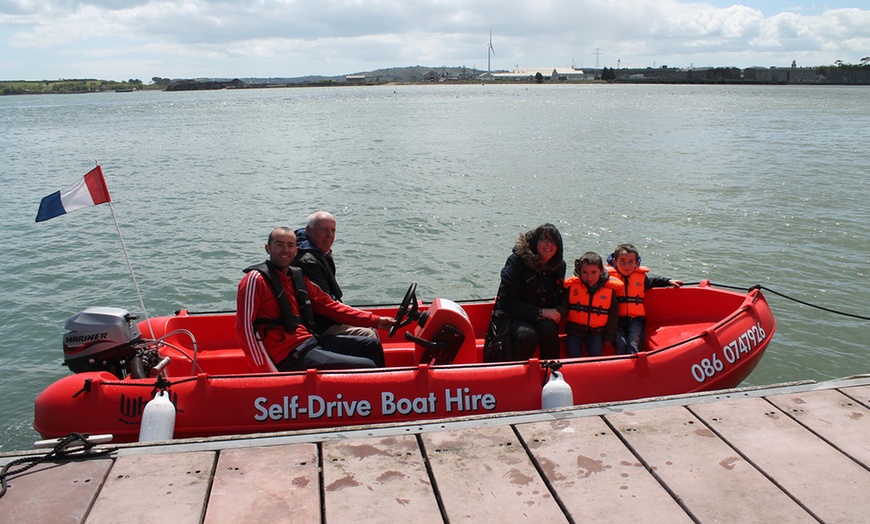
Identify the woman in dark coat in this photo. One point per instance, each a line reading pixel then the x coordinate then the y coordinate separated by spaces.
pixel 530 294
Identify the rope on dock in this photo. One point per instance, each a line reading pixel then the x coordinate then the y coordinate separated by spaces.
pixel 58 453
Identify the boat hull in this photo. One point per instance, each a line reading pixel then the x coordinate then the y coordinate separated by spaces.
pixel 701 339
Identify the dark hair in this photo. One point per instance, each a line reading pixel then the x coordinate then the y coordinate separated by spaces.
pixel 588 257
pixel 545 232
pixel 622 249
pixel 281 229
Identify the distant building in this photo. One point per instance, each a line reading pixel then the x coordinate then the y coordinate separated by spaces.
pixel 524 75
pixel 355 79
pixel 569 73
pixel 782 75
pixel 548 73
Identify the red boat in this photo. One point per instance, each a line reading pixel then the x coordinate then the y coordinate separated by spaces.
pixel 699 338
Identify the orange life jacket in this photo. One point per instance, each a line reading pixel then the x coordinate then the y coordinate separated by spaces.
pixel 587 310
pixel 630 297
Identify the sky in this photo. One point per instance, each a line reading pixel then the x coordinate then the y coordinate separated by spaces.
pixel 143 39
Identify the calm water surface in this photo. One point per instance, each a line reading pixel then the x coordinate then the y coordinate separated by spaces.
pixel 737 184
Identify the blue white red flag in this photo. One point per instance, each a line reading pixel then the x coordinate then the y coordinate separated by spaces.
pixel 89 191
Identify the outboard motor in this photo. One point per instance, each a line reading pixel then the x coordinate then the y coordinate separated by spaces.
pixel 100 339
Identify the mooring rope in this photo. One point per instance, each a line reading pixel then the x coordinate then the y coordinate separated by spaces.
pixel 58 453
pixel 783 295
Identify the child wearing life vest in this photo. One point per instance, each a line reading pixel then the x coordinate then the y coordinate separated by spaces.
pixel 593 311
pixel 624 264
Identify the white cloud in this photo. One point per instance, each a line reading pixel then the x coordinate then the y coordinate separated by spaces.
pixel 144 38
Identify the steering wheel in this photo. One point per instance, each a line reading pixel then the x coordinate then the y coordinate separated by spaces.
pixel 407 309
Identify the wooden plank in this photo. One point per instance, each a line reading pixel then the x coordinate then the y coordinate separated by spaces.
pixel 709 478
pixel 377 480
pixel 595 476
pixel 485 475
pixel 155 488
pixel 827 482
pixel 841 420
pixel 54 492
pixel 265 484
pixel 859 393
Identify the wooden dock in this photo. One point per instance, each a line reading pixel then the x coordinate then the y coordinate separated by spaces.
pixel 790 453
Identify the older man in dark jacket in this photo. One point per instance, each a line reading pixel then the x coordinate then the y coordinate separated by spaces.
pixel 315 261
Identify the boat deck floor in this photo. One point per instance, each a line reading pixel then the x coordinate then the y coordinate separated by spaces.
pixel 789 453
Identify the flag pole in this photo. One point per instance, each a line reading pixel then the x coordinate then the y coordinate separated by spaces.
pixel 130 267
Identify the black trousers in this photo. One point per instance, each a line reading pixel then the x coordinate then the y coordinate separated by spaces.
pixel 526 337
pixel 335 352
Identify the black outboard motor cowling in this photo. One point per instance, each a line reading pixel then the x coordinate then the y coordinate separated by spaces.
pixel 100 339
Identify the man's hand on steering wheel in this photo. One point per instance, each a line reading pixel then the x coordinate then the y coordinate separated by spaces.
pixel 386 323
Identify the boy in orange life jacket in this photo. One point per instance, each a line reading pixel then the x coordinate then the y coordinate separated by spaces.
pixel 593 311
pixel 632 317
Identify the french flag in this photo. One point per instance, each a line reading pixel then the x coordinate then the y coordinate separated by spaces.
pixel 88 191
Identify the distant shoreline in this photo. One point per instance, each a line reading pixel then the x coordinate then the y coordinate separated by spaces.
pixel 843 74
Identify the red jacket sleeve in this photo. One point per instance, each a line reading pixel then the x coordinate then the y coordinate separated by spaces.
pixel 322 304
pixel 248 299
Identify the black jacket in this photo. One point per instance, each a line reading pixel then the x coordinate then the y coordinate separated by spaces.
pixel 527 285
pixel 320 270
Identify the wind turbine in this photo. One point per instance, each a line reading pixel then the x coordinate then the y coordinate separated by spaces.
pixel 489 51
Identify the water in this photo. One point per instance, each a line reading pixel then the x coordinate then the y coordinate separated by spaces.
pixel 736 184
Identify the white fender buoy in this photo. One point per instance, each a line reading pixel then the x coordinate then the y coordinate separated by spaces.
pixel 556 393
pixel 158 419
